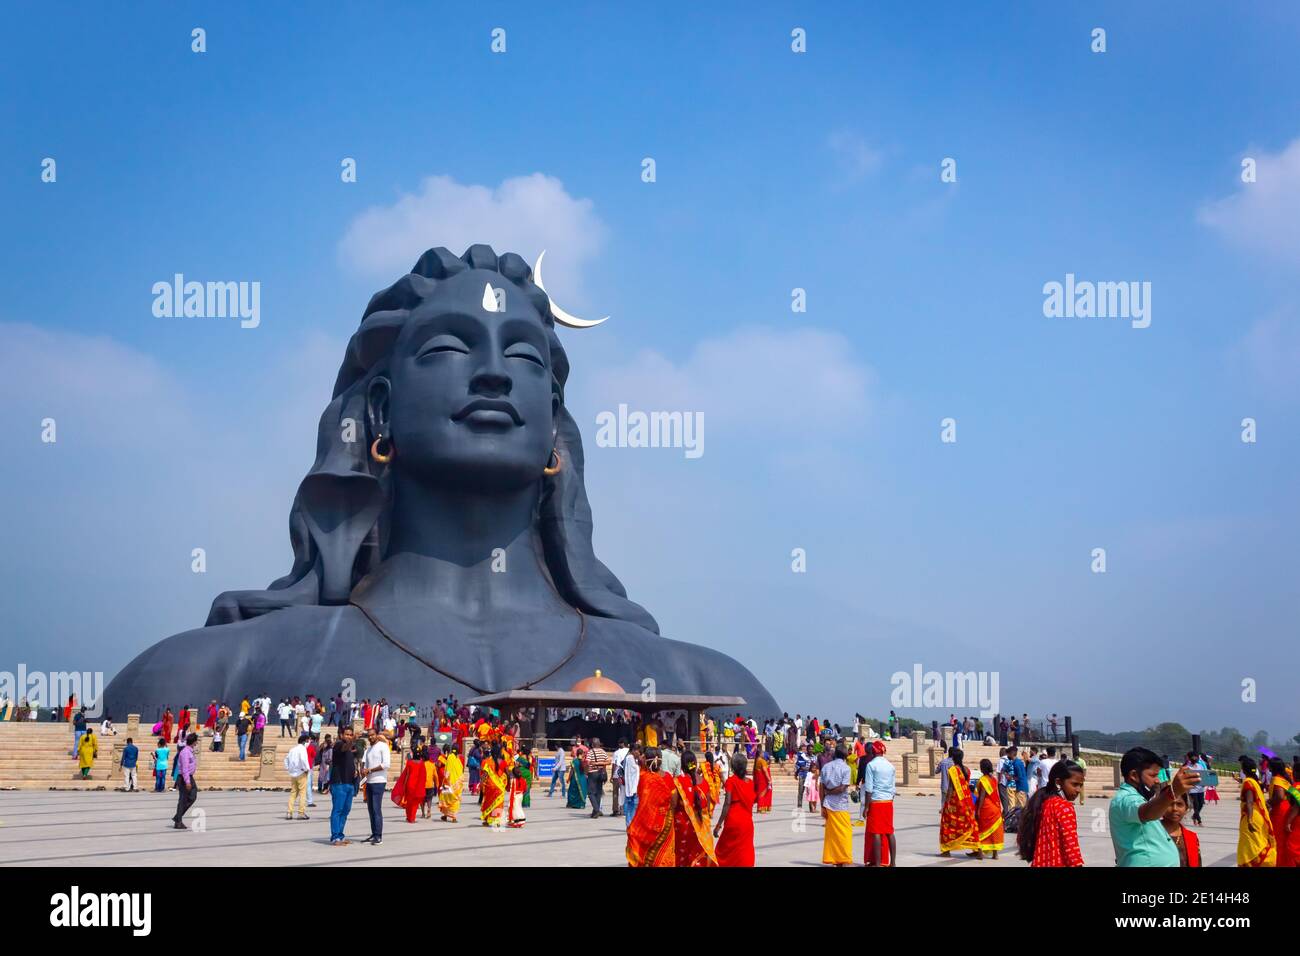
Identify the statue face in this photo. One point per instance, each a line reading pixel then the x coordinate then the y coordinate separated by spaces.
pixel 469 401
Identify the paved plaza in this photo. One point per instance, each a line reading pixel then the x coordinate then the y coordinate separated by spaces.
pixel 107 828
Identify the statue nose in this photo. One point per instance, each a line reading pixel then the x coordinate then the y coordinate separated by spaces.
pixel 491 381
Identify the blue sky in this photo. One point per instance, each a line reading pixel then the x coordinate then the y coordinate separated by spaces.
pixel 775 170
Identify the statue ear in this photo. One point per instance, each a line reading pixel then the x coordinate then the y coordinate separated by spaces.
pixel 377 395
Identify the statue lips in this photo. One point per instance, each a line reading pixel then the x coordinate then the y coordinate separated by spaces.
pixel 491 412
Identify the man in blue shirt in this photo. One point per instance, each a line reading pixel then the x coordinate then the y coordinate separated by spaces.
pixel 1136 830
pixel 802 761
pixel 1020 773
pixel 878 788
pixel 130 757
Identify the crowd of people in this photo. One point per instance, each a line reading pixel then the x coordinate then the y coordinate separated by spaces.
pixel 692 802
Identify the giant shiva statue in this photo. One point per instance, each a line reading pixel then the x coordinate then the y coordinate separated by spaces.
pixel 442 539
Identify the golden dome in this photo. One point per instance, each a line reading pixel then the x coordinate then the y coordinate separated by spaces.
pixel 596 684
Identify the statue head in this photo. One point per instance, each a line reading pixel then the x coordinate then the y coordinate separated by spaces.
pixel 455 378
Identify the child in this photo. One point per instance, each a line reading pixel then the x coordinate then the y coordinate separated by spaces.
pixel 810 781
pixel 1189 845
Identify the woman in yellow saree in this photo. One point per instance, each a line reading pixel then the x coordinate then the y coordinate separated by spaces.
pixel 957 823
pixel 1256 845
pixel 494 786
pixel 452 772
pixel 711 784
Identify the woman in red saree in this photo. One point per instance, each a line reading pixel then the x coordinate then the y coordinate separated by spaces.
pixel 650 835
pixel 957 822
pixel 989 833
pixel 736 847
pixel 1189 845
pixel 762 785
pixel 494 787
pixel 691 835
pixel 168 722
pixel 1283 814
pixel 409 791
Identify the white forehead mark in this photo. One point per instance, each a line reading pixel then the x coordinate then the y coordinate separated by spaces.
pixel 494 300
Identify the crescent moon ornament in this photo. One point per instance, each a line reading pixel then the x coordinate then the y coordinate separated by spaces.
pixel 564 318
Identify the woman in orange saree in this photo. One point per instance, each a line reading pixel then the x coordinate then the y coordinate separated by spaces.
pixel 693 817
pixel 1283 813
pixel 762 785
pixel 957 823
pixel 989 833
pixel 494 788
pixel 650 835
pixel 1256 845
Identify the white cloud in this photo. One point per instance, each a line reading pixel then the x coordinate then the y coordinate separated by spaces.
pixel 524 214
pixel 104 393
pixel 799 381
pixel 1263 216
pixel 857 157
pixel 1269 354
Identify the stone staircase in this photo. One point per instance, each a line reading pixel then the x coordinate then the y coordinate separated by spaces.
pixel 35 755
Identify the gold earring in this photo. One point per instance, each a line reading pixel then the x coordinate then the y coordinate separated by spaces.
pixel 559 463
pixel 374 451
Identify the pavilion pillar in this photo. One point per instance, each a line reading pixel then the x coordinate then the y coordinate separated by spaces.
pixel 539 727
pixel 693 725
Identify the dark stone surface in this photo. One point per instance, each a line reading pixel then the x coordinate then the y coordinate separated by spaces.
pixel 474 569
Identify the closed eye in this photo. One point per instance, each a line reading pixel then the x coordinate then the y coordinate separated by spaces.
pixel 522 350
pixel 444 343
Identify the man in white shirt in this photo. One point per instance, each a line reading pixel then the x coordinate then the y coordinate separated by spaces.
pixel 298 764
pixel 616 775
pixel 378 760
pixel 284 712
pixel 723 763
pixel 558 771
pixel 1045 767
pixel 631 775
